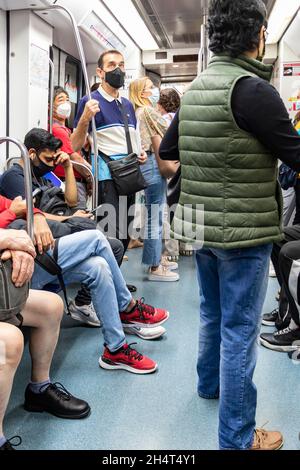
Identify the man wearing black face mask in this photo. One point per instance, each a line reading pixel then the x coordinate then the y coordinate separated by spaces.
pixel 44 151
pixel 106 107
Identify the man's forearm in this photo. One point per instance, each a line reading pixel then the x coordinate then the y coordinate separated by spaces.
pixel 71 194
pixel 79 135
pixel 56 218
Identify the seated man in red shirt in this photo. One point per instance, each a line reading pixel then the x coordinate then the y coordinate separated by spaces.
pixel 61 113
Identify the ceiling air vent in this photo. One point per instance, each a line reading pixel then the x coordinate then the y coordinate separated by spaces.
pixel 185 58
pixel 161 55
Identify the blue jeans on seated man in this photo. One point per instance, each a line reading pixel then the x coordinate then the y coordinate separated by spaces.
pixel 86 257
pixel 155 195
pixel 233 286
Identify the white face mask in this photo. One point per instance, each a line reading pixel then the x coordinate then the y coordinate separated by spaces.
pixel 64 110
pixel 154 98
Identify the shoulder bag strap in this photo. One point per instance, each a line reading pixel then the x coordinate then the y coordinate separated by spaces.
pixel 126 125
pixel 151 124
pixel 50 265
pixel 104 157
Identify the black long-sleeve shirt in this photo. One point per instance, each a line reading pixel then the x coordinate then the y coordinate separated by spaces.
pixel 258 109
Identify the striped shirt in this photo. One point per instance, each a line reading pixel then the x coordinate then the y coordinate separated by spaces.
pixel 111 135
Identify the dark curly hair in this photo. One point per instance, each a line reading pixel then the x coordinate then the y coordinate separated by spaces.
pixel 169 100
pixel 41 140
pixel 234 25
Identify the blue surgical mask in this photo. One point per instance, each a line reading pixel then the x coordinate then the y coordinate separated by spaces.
pixel 154 98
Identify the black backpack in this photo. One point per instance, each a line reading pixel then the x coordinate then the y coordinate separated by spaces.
pixel 52 201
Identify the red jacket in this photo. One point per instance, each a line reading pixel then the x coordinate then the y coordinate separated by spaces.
pixel 6 215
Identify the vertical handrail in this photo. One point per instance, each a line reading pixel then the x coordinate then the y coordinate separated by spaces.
pixel 51 95
pixel 86 80
pixel 203 52
pixel 28 181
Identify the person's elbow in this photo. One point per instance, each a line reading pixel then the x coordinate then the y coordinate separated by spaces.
pixel 71 201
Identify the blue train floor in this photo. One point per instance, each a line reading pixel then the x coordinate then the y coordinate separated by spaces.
pixel 152 412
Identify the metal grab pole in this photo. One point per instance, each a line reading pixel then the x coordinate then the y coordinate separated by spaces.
pixel 28 181
pixel 86 80
pixel 90 172
pixel 10 159
pixel 51 94
pixel 203 53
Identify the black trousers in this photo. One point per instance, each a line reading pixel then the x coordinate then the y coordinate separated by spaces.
pixel 286 261
pixel 297 194
pixel 117 213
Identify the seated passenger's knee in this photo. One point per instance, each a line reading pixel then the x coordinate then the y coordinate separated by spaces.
pixel 52 308
pixel 11 345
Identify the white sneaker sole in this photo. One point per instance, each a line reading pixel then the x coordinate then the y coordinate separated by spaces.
pixel 131 331
pixel 268 323
pixel 275 347
pixel 171 268
pixel 146 325
pixel 84 321
pixel 153 277
pixel 106 366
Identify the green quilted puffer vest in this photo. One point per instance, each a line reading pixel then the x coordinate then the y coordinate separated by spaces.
pixel 229 192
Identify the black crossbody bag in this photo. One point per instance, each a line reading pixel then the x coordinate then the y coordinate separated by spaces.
pixel 126 173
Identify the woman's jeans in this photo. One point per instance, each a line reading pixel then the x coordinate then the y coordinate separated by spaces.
pixel 233 286
pixel 155 195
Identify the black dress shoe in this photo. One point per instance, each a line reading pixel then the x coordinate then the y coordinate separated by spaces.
pixel 131 288
pixel 8 445
pixel 56 400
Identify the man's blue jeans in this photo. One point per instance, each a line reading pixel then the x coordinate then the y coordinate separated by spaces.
pixel 155 195
pixel 233 286
pixel 86 257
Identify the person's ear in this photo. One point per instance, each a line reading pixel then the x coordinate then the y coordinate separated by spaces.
pixel 100 73
pixel 262 44
pixel 32 153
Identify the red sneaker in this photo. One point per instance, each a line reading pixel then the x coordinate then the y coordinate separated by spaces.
pixel 128 359
pixel 144 315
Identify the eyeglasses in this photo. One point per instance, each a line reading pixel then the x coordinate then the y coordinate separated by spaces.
pixel 266 34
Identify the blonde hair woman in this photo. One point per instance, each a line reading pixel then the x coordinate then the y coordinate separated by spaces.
pixel 144 97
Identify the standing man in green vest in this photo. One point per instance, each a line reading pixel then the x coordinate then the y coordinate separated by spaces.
pixel 232 128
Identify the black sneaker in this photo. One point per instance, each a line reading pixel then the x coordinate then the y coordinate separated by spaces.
pixel 56 400
pixel 269 319
pixel 8 445
pixel 131 288
pixel 286 340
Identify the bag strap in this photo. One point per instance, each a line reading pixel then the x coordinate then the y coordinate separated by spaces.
pixel 126 125
pixel 104 157
pixel 50 265
pixel 151 124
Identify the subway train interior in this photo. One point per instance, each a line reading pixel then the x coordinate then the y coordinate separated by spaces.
pixel 46 44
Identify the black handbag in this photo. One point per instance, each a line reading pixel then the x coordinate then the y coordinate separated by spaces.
pixel 174 188
pixel 12 298
pixel 126 173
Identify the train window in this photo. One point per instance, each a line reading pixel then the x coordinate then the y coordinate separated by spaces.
pixel 72 84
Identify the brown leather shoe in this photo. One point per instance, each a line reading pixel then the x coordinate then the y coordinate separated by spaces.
pixel 267 440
